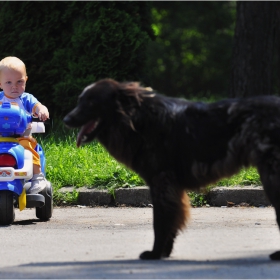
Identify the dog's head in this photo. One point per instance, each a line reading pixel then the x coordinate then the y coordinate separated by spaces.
pixel 95 104
pixel 98 104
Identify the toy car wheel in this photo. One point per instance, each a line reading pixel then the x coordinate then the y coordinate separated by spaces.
pixel 45 213
pixel 7 209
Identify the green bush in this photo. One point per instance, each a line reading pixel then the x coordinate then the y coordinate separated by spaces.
pixel 191 55
pixel 68 45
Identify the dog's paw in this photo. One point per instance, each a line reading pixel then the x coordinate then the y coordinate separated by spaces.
pixel 149 255
pixel 167 251
pixel 275 256
pixel 166 255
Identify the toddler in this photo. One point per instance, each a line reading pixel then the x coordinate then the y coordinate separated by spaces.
pixel 13 79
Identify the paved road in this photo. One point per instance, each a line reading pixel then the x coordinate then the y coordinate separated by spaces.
pixel 106 243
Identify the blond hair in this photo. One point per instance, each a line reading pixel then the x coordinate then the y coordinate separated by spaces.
pixel 12 62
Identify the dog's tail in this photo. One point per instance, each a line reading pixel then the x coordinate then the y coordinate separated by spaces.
pixel 185 209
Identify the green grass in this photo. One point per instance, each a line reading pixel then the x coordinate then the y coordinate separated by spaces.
pixel 92 166
pixel 245 177
pixel 89 165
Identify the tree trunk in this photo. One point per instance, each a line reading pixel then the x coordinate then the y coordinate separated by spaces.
pixel 276 79
pixel 252 62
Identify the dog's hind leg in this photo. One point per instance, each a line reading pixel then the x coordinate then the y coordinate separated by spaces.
pixel 171 209
pixel 270 177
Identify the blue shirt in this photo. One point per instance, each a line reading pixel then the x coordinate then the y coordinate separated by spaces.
pixel 27 100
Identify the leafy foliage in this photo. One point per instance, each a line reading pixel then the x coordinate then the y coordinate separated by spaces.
pixel 191 55
pixel 197 199
pixel 178 48
pixel 68 45
pixel 65 198
pixel 245 177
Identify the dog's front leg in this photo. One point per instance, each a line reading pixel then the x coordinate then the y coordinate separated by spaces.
pixel 170 210
pixel 160 235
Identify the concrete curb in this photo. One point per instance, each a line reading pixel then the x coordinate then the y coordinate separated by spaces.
pixel 140 196
pixel 137 196
pixel 229 196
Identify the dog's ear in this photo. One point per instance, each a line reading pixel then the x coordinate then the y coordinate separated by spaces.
pixel 130 88
pixel 130 93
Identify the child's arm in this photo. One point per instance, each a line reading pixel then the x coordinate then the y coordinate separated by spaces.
pixel 41 111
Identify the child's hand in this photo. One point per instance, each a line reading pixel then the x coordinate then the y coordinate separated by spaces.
pixel 42 112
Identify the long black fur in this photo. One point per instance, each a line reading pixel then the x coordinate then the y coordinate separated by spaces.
pixel 177 145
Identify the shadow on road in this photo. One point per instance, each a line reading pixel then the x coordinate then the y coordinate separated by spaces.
pixel 28 222
pixel 258 268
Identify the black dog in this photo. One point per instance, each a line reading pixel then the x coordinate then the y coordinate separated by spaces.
pixel 177 145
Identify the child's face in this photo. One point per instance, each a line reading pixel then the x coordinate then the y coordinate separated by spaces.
pixel 13 82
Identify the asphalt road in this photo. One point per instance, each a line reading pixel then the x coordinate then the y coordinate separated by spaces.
pixel 106 242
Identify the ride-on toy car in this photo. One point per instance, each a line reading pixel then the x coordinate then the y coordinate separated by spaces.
pixel 16 166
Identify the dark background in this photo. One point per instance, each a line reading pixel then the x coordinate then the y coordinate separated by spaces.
pixel 187 49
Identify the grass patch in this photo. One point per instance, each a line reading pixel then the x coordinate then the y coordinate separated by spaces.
pixel 245 177
pixel 197 199
pixel 90 165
